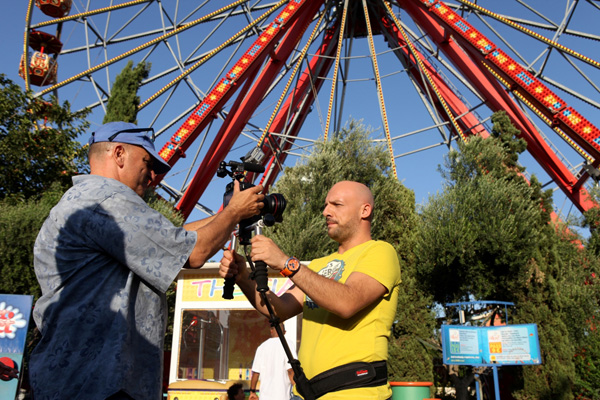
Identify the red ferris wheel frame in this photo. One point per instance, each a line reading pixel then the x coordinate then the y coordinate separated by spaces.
pixel 496 76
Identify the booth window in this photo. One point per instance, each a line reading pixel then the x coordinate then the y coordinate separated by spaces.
pixel 219 344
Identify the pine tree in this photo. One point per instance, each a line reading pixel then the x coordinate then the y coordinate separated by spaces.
pixel 124 100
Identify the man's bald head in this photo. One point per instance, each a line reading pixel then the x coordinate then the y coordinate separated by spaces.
pixel 348 214
pixel 361 191
pixel 356 191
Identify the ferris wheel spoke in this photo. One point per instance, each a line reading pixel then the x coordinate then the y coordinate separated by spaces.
pixel 84 15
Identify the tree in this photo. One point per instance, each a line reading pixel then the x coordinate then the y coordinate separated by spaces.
pixel 489 236
pixel 20 222
pixel 477 236
pixel 350 156
pixel 587 357
pixel 38 155
pixel 38 143
pixel 124 101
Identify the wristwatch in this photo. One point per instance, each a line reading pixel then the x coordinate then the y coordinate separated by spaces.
pixel 292 265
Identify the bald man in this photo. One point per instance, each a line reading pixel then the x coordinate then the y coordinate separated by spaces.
pixel 348 299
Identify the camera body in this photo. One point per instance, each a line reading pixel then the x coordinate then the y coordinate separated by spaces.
pixel 273 204
pixel 272 211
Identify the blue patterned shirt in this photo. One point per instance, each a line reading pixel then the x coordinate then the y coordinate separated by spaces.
pixel 104 261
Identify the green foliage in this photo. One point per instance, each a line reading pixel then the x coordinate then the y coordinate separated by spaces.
pixel 554 378
pixel 38 143
pixel 349 155
pixel 412 348
pixel 124 101
pixel 592 221
pixel 489 236
pixel 587 364
pixel 476 239
pixel 38 155
pixel 20 222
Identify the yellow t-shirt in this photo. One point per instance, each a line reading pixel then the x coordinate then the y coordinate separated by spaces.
pixel 329 341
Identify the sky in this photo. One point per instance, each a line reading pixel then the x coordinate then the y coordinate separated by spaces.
pixel 405 111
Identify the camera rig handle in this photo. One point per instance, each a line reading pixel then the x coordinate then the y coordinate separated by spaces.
pixel 228 288
pixel 229 284
pixel 259 268
pixel 260 273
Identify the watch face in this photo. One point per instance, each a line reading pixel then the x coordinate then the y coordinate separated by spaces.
pixel 293 264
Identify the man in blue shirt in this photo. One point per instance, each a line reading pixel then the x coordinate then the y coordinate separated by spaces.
pixel 104 261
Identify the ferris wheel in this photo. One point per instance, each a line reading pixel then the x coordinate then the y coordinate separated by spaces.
pixel 266 79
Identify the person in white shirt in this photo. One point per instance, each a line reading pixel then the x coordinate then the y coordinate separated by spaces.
pixel 271 366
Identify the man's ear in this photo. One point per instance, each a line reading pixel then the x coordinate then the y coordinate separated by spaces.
pixel 118 154
pixel 366 211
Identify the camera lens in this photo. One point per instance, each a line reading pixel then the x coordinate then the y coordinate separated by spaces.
pixel 274 204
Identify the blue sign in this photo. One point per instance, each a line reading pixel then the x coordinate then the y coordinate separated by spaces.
pixel 491 345
pixel 15 311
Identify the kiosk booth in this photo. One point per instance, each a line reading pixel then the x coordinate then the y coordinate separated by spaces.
pixel 214 339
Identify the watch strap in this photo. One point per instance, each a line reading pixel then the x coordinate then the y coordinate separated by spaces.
pixel 292 265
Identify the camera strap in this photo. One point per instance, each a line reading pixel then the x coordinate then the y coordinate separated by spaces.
pixel 350 376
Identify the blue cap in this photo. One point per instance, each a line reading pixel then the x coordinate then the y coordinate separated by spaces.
pixel 126 132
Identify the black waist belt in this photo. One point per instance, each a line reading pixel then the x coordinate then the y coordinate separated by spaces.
pixel 350 376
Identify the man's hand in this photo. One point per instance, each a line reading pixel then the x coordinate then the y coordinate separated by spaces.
pixel 253 396
pixel 246 203
pixel 233 265
pixel 264 249
pixel 214 233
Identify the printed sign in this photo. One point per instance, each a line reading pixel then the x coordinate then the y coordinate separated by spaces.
pixel 209 287
pixel 491 345
pixel 15 311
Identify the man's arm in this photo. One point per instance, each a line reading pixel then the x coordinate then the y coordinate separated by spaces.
pixel 253 384
pixel 215 231
pixel 195 225
pixel 343 299
pixel 285 306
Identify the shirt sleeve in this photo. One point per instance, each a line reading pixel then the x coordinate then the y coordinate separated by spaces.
pixel 141 238
pixel 380 262
pixel 257 362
